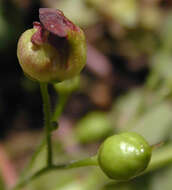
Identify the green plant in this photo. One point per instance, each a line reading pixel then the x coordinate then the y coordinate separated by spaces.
pixel 93 127
pixel 54 50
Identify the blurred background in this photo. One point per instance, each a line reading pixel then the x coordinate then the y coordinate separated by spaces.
pixel 126 85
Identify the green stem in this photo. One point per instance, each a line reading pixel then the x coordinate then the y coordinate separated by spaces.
pixel 62 99
pixel 160 158
pixel 92 161
pixel 47 117
pixel 34 156
pixel 59 108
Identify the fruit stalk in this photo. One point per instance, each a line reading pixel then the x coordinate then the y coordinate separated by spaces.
pixel 47 121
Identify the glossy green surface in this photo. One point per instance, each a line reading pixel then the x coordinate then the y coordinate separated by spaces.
pixel 45 63
pixel 124 156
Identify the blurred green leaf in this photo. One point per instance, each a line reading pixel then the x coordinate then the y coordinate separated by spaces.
pixel 161 65
pixel 78 12
pixel 155 124
pixel 139 183
pixel 126 109
pixel 93 127
pixel 126 12
pixel 162 179
pixel 2 185
pixel 165 33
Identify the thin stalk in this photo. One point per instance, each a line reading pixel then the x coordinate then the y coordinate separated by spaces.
pixel 160 158
pixel 33 158
pixel 58 110
pixel 47 121
pixel 62 99
pixel 92 161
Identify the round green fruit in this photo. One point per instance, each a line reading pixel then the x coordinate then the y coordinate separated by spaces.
pixel 124 156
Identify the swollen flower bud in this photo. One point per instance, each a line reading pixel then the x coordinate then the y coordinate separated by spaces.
pixel 54 50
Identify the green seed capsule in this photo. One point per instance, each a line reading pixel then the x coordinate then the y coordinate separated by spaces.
pixel 124 156
pixel 54 50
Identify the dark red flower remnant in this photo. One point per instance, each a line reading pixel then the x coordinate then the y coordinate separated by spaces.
pixel 55 23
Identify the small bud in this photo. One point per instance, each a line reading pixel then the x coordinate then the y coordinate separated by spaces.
pixel 53 50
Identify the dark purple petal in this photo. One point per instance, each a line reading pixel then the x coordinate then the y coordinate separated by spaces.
pixel 53 28
pixel 54 21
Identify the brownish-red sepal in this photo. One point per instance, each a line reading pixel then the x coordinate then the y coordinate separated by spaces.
pixel 54 21
pixel 38 37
